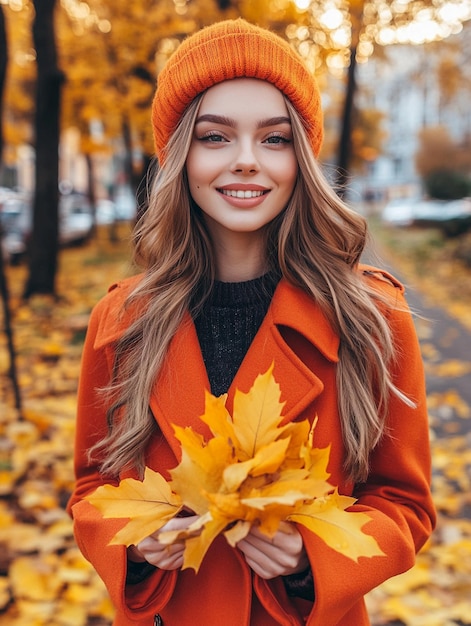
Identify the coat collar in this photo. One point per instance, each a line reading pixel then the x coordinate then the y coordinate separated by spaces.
pixel 290 307
pixel 114 316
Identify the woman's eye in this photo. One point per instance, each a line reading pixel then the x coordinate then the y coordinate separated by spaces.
pixel 213 138
pixel 277 139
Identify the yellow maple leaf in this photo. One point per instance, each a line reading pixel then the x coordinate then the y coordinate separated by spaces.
pixel 237 532
pixel 298 434
pixel 257 414
pixel 340 529
pixel 201 468
pixel 266 461
pixel 197 546
pixel 198 537
pixel 217 417
pixel 148 504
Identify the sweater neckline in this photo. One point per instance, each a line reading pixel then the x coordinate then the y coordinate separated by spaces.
pixel 236 294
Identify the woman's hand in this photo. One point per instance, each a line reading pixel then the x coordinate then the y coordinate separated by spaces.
pixel 161 555
pixel 281 555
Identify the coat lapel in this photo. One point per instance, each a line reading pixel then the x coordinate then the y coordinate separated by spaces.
pixel 179 396
pixel 300 385
pixel 293 308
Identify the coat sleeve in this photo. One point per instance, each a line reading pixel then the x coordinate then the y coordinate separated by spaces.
pixel 92 532
pixel 396 496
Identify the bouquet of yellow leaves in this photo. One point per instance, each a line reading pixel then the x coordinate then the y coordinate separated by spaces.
pixel 254 470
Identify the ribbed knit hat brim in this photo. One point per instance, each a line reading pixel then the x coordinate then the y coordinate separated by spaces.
pixel 227 50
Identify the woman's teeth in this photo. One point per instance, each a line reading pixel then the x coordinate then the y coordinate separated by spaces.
pixel 233 193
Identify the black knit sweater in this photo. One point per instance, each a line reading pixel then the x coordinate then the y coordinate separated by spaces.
pixel 227 325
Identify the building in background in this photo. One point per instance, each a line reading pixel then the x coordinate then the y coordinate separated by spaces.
pixel 405 85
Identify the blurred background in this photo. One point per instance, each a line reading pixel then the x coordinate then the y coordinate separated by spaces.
pixel 78 80
pixel 76 85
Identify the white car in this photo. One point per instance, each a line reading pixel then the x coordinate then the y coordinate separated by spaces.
pixel 451 216
pixel 399 211
pixel 75 219
pixel 121 209
pixel 75 222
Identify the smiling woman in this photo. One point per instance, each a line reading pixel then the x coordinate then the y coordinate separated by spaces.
pixel 241 170
pixel 250 265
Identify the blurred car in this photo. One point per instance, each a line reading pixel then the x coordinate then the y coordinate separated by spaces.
pixel 121 209
pixel 75 222
pixel 451 216
pixel 105 211
pixel 125 202
pixel 399 211
pixel 75 219
pixel 15 222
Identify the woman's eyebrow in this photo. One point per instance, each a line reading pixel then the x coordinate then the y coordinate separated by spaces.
pixel 227 121
pixel 216 119
pixel 273 121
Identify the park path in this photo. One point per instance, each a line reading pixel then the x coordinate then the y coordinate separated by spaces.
pixel 446 351
pixel 446 348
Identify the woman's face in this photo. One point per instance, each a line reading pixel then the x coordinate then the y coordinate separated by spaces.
pixel 241 164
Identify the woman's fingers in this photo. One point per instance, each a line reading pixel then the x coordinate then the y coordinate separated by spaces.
pixel 163 555
pixel 279 555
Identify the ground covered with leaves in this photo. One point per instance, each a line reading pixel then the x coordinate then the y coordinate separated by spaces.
pixel 43 578
pixel 437 590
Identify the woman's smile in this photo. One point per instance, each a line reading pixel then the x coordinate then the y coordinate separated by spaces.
pixel 244 196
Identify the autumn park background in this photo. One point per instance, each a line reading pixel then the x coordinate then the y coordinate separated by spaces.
pixel 76 84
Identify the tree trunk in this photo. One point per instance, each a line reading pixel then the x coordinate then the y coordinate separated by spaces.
pixel 345 143
pixel 3 72
pixel 91 190
pixel 128 150
pixel 13 374
pixel 44 245
pixel 3 277
pixel 142 199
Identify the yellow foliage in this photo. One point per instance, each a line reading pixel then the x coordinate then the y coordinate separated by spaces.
pixel 32 579
pixel 340 529
pixel 4 592
pixel 254 470
pixel 449 369
pixel 148 504
pixel 418 576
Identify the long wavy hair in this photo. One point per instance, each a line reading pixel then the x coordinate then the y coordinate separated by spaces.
pixel 315 244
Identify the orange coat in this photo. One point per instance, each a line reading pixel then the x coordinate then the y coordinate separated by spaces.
pixel 296 336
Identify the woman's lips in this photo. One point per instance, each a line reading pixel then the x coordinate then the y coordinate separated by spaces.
pixel 241 197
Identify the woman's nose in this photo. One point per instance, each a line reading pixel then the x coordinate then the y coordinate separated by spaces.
pixel 245 160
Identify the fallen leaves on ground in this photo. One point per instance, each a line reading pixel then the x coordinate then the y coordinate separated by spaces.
pixel 44 580
pixel 427 261
pixel 36 472
pixel 436 591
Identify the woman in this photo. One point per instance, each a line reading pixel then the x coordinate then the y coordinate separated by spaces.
pixel 249 258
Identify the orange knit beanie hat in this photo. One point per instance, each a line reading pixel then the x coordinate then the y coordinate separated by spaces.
pixel 227 50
